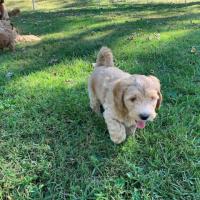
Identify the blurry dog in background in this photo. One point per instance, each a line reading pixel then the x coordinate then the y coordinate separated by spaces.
pixel 3 11
pixel 14 12
pixel 7 35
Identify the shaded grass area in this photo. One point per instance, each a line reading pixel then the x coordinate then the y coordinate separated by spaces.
pixel 53 147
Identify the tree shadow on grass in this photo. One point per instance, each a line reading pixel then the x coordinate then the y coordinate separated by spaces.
pixel 55 129
pixel 63 150
pixel 37 57
pixel 56 21
pixel 132 6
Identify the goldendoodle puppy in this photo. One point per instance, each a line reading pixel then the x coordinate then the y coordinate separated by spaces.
pixel 129 101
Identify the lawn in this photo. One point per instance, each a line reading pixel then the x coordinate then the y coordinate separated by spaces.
pixel 53 147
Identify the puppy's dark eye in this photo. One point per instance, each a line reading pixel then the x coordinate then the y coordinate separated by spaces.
pixel 132 99
pixel 153 98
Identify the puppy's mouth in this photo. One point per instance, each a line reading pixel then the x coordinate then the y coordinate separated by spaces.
pixel 140 124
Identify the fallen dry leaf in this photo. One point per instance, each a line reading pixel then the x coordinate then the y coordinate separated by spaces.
pixel 68 81
pixel 157 36
pixel 53 61
pixel 9 75
pixel 193 50
pixel 132 36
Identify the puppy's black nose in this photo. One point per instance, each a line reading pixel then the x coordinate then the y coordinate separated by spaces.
pixel 144 116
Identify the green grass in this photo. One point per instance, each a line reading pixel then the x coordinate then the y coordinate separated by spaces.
pixel 53 147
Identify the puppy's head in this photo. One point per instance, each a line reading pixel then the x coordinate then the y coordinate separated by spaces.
pixel 137 97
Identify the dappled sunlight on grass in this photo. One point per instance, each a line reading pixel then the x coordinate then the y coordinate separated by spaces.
pixel 96 36
pixel 53 147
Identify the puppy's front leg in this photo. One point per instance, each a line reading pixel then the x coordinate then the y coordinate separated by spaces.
pixel 116 130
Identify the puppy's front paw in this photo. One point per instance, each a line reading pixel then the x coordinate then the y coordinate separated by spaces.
pixel 118 138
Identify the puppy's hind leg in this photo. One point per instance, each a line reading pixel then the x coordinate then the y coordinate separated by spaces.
pixel 94 102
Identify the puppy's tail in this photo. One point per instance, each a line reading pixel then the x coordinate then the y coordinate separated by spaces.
pixel 104 58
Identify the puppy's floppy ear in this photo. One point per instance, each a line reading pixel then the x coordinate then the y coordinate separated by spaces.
pixel 118 97
pixel 156 84
pixel 159 101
